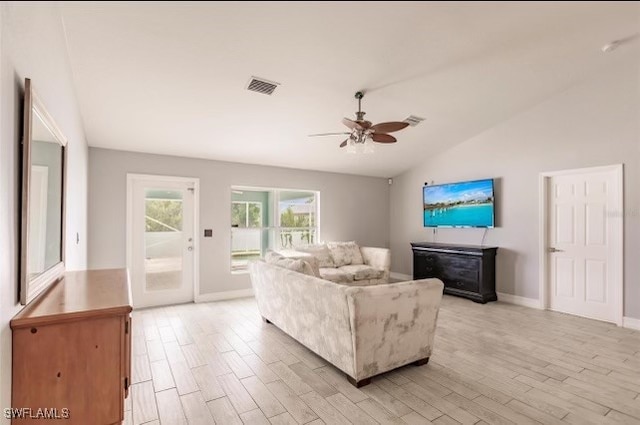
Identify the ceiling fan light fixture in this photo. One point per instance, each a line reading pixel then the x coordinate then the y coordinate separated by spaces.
pixel 368 146
pixel 351 146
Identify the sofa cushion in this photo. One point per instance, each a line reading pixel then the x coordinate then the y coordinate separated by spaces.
pixel 321 252
pixel 335 275
pixel 362 272
pixel 345 253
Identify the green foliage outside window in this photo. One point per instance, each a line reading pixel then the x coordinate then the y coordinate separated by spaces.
pixel 240 211
pixel 288 218
pixel 163 215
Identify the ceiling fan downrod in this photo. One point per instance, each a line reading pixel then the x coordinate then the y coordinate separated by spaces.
pixel 360 114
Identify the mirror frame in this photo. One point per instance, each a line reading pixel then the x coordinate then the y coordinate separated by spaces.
pixel 30 289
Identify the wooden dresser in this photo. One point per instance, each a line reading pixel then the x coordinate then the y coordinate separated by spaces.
pixel 72 349
pixel 467 270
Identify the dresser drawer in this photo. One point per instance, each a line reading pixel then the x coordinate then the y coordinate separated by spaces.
pixel 460 272
pixel 463 284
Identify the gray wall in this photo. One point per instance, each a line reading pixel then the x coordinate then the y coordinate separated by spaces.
pixel 594 123
pixel 351 207
pixel 33 45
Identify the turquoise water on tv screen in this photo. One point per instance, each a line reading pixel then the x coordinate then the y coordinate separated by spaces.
pixel 478 215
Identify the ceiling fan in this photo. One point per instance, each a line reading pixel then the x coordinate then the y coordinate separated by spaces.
pixel 363 130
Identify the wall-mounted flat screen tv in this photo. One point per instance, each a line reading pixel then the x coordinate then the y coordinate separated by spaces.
pixel 464 204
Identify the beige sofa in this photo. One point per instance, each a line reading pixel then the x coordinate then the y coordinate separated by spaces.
pixel 361 330
pixel 346 262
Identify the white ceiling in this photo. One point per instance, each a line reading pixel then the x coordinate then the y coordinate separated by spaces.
pixel 170 78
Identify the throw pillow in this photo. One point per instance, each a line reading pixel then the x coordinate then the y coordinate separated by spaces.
pixel 299 266
pixel 272 257
pixel 345 253
pixel 290 264
pixel 321 252
pixel 307 269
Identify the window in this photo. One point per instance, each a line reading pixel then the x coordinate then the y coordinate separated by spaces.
pixel 264 219
pixel 297 214
pixel 246 214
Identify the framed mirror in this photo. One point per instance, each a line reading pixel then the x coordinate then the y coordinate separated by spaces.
pixel 43 199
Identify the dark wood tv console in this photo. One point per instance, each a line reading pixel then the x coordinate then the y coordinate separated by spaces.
pixel 467 270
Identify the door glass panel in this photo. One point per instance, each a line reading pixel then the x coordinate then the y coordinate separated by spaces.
pixel 163 239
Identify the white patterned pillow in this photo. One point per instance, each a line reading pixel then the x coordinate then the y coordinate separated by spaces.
pixel 272 257
pixel 291 264
pixel 321 252
pixel 299 266
pixel 345 253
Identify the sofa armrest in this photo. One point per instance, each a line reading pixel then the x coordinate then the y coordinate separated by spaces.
pixel 378 258
pixel 393 324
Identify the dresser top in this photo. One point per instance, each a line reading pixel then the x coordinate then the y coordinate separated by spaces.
pixel 78 295
pixel 453 247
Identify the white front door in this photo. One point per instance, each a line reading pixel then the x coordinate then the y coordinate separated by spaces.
pixel 162 240
pixel 582 239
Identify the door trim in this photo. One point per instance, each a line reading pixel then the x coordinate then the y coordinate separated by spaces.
pixel 131 177
pixel 617 239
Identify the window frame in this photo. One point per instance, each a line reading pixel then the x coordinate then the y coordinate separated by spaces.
pixel 273 228
pixel 246 217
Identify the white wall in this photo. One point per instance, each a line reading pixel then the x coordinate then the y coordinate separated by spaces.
pixel 351 207
pixel 594 123
pixel 33 45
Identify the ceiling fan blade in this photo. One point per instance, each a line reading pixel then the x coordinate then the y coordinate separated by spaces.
pixel 389 127
pixel 383 138
pixel 365 124
pixel 343 144
pixel 329 134
pixel 353 125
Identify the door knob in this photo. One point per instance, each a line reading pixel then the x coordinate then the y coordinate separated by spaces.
pixel 552 250
pixel 190 248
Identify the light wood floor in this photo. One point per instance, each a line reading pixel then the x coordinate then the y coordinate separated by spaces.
pixel 494 363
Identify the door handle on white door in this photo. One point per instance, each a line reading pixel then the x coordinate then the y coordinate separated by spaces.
pixel 190 248
pixel 552 250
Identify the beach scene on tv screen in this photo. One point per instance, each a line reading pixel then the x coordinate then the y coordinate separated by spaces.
pixel 466 204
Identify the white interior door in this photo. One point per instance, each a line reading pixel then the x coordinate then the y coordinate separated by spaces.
pixel 162 241
pixel 583 239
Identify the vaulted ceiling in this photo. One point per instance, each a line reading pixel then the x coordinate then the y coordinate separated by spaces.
pixel 170 78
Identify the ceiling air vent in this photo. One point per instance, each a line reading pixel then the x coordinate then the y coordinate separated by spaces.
pixel 413 120
pixel 260 85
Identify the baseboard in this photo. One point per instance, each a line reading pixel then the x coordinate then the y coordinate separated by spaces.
pixel 227 295
pixel 400 276
pixel 518 300
pixel 631 323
